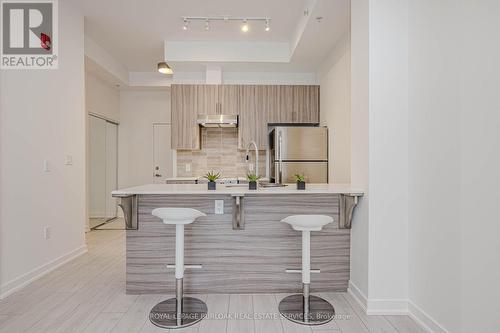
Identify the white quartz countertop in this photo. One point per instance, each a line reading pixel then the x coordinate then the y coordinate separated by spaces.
pixel 201 178
pixel 235 190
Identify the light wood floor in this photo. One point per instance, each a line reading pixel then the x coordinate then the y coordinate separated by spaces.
pixel 87 295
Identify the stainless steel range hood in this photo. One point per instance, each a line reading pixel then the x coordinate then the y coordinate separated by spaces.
pixel 217 120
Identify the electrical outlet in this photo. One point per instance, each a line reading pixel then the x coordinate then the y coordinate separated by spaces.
pixel 219 207
pixel 46 232
pixel 188 167
pixel 250 167
pixel 68 160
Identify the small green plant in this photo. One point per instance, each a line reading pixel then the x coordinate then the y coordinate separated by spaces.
pixel 299 177
pixel 212 176
pixel 252 177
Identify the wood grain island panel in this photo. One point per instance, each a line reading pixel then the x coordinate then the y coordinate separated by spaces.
pixel 252 260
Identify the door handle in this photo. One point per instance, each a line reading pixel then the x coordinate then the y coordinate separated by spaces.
pixel 157 175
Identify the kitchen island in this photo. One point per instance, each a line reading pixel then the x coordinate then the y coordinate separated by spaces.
pixel 241 244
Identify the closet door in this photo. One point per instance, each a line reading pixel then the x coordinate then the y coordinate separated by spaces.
pixel 97 172
pixel 111 168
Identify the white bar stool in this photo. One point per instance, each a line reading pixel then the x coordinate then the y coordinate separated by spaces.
pixel 304 308
pixel 179 311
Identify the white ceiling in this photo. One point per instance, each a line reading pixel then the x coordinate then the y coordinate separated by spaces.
pixel 134 31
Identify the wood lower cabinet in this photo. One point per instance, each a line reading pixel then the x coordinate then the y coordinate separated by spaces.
pixel 256 106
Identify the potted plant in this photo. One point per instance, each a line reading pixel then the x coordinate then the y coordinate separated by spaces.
pixel 212 177
pixel 301 184
pixel 252 181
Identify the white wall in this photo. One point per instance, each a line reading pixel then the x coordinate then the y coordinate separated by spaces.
pixel 480 165
pixel 434 162
pixel 139 110
pixel 106 61
pixel 101 97
pixel 388 155
pixel 43 117
pixel 454 163
pixel 335 109
pixel 358 283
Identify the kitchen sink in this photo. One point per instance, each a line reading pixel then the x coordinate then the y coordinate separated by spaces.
pixel 236 185
pixel 272 185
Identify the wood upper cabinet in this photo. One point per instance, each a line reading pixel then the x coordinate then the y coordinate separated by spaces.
pixel 284 111
pixel 296 105
pixel 247 115
pixel 228 98
pixel 208 98
pixel 184 110
pixel 217 99
pixel 256 106
pixel 305 104
pixel 259 106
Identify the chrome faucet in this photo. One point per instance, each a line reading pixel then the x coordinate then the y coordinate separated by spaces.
pixel 252 143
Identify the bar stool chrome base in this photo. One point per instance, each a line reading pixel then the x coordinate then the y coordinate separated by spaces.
pixel 293 308
pixel 165 314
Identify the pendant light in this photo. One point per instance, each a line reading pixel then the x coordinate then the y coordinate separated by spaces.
pixel 164 68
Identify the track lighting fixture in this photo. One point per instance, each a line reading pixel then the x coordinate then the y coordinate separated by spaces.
pixel 245 27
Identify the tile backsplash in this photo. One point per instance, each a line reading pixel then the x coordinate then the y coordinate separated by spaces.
pixel 219 152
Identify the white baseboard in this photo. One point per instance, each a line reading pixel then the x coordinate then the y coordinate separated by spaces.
pixel 373 306
pixel 25 279
pixel 358 295
pixel 423 319
pixel 395 307
pixel 387 306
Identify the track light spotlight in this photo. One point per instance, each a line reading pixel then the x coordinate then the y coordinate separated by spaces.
pixel 244 27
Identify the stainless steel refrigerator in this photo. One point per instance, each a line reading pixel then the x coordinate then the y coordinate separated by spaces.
pixel 298 149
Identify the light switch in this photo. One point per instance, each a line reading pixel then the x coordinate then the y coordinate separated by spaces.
pixel 188 167
pixel 68 160
pixel 46 232
pixel 46 166
pixel 219 207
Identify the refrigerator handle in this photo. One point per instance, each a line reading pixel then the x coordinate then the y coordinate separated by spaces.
pixel 280 160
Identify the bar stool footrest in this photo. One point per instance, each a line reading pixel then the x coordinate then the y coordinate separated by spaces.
pixel 298 270
pixel 172 266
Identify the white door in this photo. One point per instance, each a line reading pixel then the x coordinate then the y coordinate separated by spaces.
pixel 97 160
pixel 162 153
pixel 111 168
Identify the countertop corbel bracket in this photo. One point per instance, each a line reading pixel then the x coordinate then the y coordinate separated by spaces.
pixel 238 211
pixel 128 204
pixel 347 203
